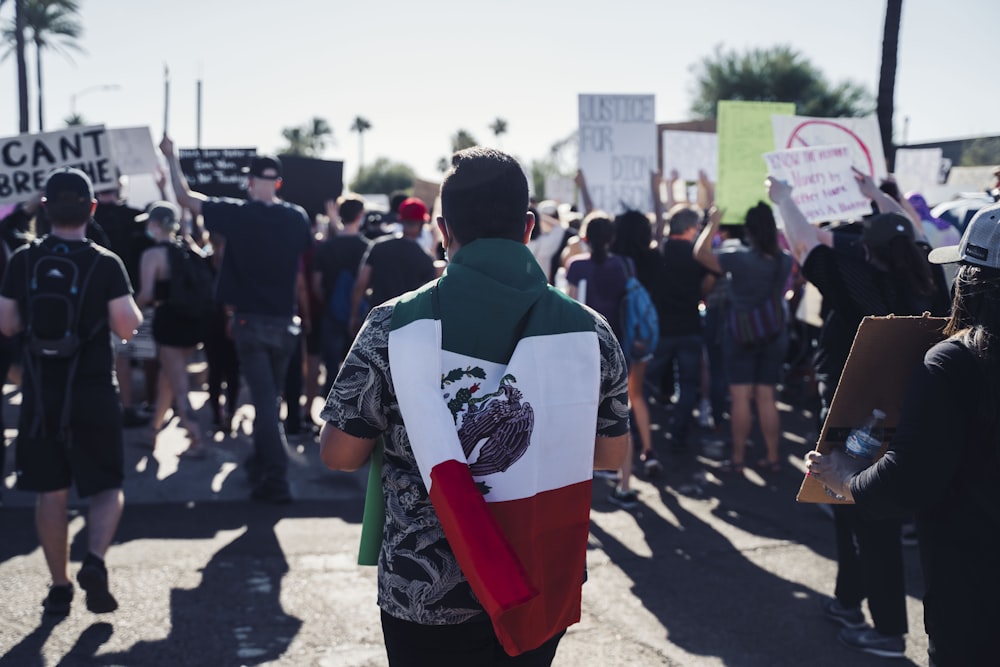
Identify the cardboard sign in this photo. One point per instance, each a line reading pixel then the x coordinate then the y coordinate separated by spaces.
pixel 216 171
pixel 919 169
pixel 310 182
pixel 426 191
pixel 618 150
pixel 860 135
pixel 689 153
pixel 27 159
pixel 745 134
pixel 823 184
pixel 885 353
pixel 133 150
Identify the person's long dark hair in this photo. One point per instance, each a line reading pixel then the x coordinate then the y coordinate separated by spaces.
pixel 600 234
pixel 905 260
pixel 633 235
pixel 762 232
pixel 975 322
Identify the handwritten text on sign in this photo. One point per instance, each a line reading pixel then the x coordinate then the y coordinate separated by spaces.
pixel 823 185
pixel 618 150
pixel 27 159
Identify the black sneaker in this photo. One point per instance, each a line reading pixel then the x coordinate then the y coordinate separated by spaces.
pixel 57 602
pixel 845 616
pixel 874 642
pixel 624 499
pixel 93 579
pixel 275 496
pixel 133 418
pixel 651 466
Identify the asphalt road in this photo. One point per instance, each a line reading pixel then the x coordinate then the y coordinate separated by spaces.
pixel 709 570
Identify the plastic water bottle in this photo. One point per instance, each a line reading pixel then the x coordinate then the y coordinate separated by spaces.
pixel 865 442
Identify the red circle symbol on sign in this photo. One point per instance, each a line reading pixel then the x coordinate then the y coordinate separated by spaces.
pixel 800 138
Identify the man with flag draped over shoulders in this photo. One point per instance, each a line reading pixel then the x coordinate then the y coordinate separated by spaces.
pixel 495 396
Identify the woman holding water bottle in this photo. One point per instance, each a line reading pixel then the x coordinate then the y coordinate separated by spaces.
pixel 876 267
pixel 943 461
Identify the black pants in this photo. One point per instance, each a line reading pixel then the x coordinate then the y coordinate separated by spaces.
pixel 473 643
pixel 223 366
pixel 870 565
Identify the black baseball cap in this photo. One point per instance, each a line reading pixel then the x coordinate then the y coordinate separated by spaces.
pixel 264 166
pixel 68 185
pixel 878 230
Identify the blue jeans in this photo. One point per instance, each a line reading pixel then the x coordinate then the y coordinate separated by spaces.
pixel 265 345
pixel 681 356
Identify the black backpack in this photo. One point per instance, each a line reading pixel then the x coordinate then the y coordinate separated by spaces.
pixel 55 294
pixel 192 291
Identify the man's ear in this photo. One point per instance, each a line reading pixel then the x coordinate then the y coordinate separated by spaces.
pixel 93 207
pixel 443 228
pixel 529 224
pixel 277 184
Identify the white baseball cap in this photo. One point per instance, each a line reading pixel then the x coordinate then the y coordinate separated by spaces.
pixel 980 244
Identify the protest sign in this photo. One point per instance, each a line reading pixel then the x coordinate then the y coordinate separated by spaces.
pixel 426 191
pixel 745 134
pixel 618 150
pixel 310 182
pixel 560 188
pixel 823 185
pixel 27 159
pixel 216 171
pixel 132 148
pixel 689 153
pixel 918 169
pixel 860 135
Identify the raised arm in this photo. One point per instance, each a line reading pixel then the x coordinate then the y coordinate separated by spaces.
pixel 802 236
pixel 656 183
pixel 703 246
pixel 581 182
pixel 186 197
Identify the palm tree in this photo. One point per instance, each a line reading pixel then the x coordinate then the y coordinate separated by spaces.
pixel 361 125
pixel 52 24
pixel 14 32
pixel 887 76
pixel 308 140
pixel 498 126
pixel 461 140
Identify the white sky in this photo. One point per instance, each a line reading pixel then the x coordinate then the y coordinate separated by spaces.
pixel 420 71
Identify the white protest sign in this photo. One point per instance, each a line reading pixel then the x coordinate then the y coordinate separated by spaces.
pixel 860 135
pixel 133 150
pixel 918 168
pixel 560 189
pixel 823 184
pixel 618 150
pixel 27 159
pixel 689 153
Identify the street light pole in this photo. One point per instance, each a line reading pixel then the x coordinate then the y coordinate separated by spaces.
pixel 80 93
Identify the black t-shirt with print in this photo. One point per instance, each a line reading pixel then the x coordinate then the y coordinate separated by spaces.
pixel 398 265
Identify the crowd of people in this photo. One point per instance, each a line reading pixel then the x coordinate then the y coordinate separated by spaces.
pixel 301 310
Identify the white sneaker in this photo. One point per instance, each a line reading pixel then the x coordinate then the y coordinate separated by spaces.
pixel 705 419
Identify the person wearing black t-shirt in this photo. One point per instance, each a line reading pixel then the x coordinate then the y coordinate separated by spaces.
pixel 880 271
pixel 70 423
pixel 258 279
pixel 334 270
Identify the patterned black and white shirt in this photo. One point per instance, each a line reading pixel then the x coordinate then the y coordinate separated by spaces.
pixel 419 578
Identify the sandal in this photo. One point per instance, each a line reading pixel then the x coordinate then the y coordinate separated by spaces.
pixel 729 468
pixel 769 466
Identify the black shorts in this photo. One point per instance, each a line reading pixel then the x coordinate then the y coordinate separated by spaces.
pixel 92 456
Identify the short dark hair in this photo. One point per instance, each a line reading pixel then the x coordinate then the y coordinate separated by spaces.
pixel 682 218
pixel 484 195
pixel 350 207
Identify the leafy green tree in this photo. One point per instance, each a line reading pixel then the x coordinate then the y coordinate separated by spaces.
pixel 50 24
pixel 309 140
pixel 383 177
pixel 361 125
pixel 777 74
pixel 981 152
pixel 74 119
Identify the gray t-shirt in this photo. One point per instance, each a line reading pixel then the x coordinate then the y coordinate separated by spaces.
pixel 753 277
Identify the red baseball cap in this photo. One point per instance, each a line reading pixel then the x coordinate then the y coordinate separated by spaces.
pixel 413 210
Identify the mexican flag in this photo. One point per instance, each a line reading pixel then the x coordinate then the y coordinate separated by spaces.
pixel 500 407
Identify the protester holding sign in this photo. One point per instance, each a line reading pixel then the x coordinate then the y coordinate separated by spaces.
pixel 943 460
pixel 875 268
